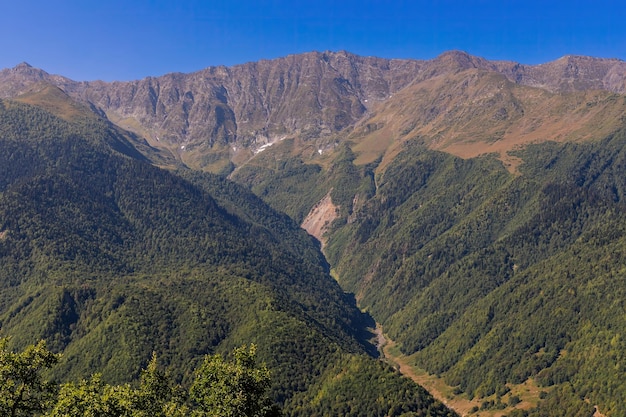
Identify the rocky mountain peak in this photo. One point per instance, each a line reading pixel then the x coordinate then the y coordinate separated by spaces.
pixel 460 59
pixel 19 79
pixel 572 73
pixel 22 65
pixel 452 62
pixel 235 111
pixel 24 69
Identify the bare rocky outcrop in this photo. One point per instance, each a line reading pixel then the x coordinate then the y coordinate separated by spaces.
pixel 570 73
pixel 308 95
pixel 312 94
pixel 21 78
pixel 320 218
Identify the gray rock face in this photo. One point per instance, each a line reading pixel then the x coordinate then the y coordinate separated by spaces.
pixel 570 73
pixel 251 104
pixel 308 95
pixel 20 79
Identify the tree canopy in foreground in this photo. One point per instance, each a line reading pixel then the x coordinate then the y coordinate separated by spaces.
pixel 233 386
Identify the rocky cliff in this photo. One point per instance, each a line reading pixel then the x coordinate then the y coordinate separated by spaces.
pixel 231 111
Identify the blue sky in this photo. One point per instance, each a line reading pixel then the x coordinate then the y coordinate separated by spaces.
pixel 131 39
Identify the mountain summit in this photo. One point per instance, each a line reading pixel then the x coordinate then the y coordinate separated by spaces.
pixel 219 117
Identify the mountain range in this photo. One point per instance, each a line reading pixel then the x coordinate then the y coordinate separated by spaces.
pixel 474 208
pixel 218 118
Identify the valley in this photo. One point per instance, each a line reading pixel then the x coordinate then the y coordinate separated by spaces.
pixel 474 209
pixel 111 259
pixel 528 393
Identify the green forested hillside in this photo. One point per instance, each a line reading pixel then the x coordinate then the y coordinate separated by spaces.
pixel 294 186
pixel 109 259
pixel 491 278
pixel 487 277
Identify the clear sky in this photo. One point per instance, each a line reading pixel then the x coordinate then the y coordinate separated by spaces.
pixel 131 39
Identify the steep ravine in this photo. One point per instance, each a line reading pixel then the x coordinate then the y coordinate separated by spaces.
pixel 435 386
pixel 528 392
pixel 316 223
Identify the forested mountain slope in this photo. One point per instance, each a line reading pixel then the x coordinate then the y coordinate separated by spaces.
pixel 110 258
pixel 474 208
pixel 483 276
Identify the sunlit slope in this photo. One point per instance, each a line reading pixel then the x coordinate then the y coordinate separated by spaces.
pixel 477 112
pixel 110 258
pixel 491 278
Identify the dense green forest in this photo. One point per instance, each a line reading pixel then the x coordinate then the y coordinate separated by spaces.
pixel 109 258
pixel 483 276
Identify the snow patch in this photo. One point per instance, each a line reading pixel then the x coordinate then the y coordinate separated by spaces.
pixel 268 144
pixel 262 148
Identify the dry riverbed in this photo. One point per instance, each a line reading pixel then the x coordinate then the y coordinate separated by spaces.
pixel 528 392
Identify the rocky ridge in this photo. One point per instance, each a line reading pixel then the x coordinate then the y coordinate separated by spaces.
pixel 229 112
